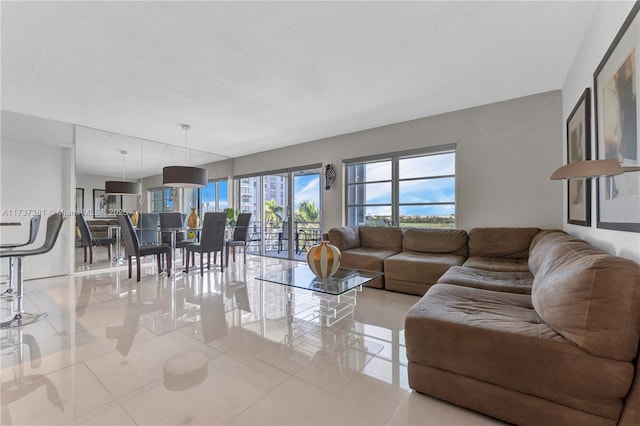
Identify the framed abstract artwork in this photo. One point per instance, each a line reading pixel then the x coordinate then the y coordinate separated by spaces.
pixel 615 84
pixel 579 149
pixel 106 206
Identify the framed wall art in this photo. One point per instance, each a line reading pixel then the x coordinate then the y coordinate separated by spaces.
pixel 579 149
pixel 106 206
pixel 79 200
pixel 615 84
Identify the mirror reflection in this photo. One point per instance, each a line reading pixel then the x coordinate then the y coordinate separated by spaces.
pixel 106 156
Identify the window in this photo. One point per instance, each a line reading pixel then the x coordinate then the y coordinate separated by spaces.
pixel 161 200
pixel 215 196
pixel 409 189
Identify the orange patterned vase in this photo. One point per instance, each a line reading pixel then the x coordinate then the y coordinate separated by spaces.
pixel 324 259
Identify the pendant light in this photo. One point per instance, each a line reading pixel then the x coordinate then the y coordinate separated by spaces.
pixel 117 187
pixel 184 176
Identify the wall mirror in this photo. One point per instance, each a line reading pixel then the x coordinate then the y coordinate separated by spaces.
pixel 102 156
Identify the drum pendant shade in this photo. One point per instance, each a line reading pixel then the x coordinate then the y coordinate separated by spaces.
pixel 184 177
pixel 117 187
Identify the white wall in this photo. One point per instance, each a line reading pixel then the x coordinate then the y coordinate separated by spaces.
pixel 606 22
pixel 91 182
pixel 37 173
pixel 505 154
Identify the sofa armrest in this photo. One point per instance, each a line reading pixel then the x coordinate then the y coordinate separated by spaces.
pixel 344 237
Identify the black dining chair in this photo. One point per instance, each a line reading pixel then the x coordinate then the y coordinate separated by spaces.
pixel 132 247
pixel 21 318
pixel 211 240
pixel 174 221
pixel 240 237
pixel 33 234
pixel 87 240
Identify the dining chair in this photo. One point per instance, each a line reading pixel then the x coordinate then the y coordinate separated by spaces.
pixel 174 221
pixel 148 228
pixel 21 318
pixel 33 234
pixel 87 240
pixel 211 240
pixel 133 248
pixel 240 237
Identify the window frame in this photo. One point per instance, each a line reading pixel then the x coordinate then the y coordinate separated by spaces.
pixel 394 159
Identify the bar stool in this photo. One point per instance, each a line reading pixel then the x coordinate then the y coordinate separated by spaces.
pixel 33 234
pixel 21 318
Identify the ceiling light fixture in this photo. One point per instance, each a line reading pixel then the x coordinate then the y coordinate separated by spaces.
pixel 184 176
pixel 591 169
pixel 123 187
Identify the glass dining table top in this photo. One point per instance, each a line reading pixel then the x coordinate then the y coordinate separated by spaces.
pixel 344 280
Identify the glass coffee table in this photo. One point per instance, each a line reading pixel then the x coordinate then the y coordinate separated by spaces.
pixel 337 294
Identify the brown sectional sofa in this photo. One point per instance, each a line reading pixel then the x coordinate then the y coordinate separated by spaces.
pixel 529 326
pixel 414 259
pixel 565 354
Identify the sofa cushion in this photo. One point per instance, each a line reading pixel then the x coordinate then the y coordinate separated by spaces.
pixel 449 241
pixel 512 282
pixel 508 243
pixel 345 237
pixel 497 264
pixel 365 258
pixel 418 267
pixel 587 295
pixel 381 237
pixel 498 338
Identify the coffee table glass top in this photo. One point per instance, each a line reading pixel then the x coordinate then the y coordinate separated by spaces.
pixel 345 279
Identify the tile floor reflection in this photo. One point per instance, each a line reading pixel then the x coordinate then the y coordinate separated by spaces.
pixel 220 349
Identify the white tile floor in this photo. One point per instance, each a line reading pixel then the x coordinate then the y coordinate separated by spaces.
pixel 114 352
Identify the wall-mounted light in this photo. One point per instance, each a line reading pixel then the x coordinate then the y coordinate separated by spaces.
pixel 591 169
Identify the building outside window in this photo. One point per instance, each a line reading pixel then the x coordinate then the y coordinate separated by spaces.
pixel 409 189
pixel 215 196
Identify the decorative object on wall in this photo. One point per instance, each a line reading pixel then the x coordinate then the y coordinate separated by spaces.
pixel 193 220
pixel 79 200
pixel 579 149
pixel 106 206
pixel 616 111
pixel 329 176
pixel 184 176
pixel 324 259
pixel 122 187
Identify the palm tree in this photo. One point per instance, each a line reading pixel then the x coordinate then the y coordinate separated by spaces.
pixel 307 212
pixel 272 213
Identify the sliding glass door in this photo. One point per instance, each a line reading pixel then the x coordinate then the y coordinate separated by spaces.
pixel 286 211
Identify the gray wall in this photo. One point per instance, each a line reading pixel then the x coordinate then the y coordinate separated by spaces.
pixel 506 152
pixel 606 22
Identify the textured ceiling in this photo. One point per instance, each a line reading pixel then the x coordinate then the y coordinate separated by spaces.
pixel 253 76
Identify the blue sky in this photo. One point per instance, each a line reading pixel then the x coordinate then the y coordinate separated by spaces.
pixel 412 191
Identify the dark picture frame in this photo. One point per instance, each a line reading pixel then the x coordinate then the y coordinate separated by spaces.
pixel 615 84
pixel 79 200
pixel 579 149
pixel 105 206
